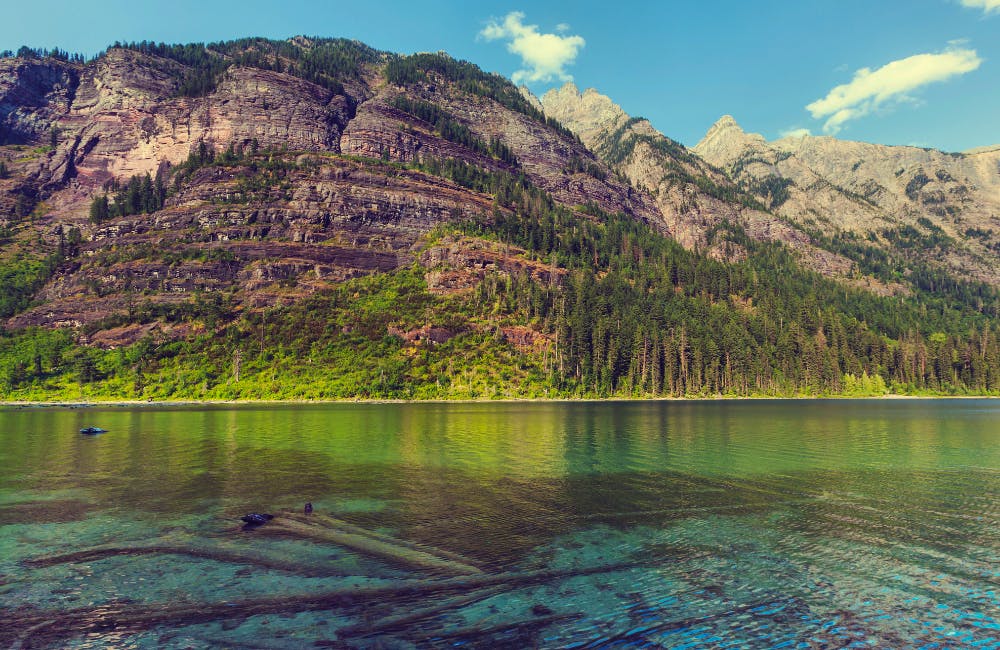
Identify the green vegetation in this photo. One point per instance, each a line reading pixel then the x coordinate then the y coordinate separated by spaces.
pixel 657 318
pixel 908 264
pixel 32 153
pixel 25 52
pixel 619 145
pixel 20 277
pixel 772 188
pixel 916 184
pixel 332 345
pixel 979 233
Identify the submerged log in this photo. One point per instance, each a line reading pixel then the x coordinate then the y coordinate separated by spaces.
pixel 399 555
pixel 216 554
pixel 343 526
pixel 125 618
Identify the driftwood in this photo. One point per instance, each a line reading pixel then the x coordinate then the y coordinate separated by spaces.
pixel 402 621
pixel 343 526
pixel 216 554
pixel 137 618
pixel 392 552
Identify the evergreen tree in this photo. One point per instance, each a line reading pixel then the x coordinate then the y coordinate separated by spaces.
pixel 99 209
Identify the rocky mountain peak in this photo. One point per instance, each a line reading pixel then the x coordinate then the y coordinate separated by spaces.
pixel 587 114
pixel 726 135
pixel 726 122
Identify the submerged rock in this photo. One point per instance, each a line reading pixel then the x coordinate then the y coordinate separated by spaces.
pixel 254 519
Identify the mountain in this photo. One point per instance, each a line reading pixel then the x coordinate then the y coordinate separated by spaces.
pixel 695 198
pixel 880 217
pixel 128 114
pixel 314 218
pixel 893 197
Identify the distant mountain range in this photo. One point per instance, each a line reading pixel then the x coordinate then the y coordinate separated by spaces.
pixel 912 204
pixel 316 218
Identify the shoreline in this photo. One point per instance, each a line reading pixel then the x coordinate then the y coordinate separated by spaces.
pixel 126 403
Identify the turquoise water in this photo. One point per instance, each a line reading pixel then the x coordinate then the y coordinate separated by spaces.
pixel 729 524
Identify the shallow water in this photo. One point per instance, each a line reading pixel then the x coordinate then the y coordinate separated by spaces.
pixel 738 524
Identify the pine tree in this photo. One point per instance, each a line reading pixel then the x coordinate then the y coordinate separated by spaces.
pixel 99 209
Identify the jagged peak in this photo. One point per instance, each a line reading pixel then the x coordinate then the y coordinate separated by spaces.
pixel 586 113
pixel 566 95
pixel 727 132
pixel 567 89
pixel 726 122
pixel 530 97
pixel 569 95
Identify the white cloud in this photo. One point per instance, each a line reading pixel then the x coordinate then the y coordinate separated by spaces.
pixel 890 84
pixel 795 133
pixel 988 6
pixel 544 56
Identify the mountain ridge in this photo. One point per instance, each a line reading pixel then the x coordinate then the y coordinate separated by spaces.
pixel 815 193
pixel 205 220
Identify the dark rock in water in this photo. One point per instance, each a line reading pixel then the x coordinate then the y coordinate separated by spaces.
pixel 309 508
pixel 255 519
pixel 541 610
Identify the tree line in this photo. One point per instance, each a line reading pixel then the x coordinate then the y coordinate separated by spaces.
pixel 323 61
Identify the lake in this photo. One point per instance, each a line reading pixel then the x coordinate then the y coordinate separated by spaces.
pixel 764 524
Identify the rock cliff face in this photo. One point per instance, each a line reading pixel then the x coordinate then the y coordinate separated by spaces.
pixel 331 203
pixel 590 114
pixel 33 94
pixel 380 130
pixel 125 118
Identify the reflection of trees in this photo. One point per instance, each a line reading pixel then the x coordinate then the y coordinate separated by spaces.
pixel 497 479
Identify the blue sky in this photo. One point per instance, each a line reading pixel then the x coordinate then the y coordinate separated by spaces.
pixel 930 68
